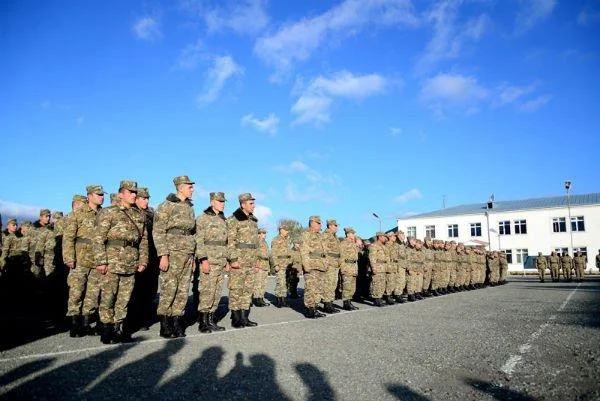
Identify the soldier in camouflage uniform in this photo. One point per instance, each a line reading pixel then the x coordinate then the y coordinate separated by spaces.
pixel 400 288
pixel 83 279
pixel 44 250
pixel 494 267
pixel 503 268
pixel 566 264
pixel 579 263
pixel 314 266
pixel 349 267
pixel 554 262
pixel 293 272
pixel 332 250
pixel 242 240
pixel 281 257
pixel 541 265
pixel 120 245
pixel 379 260
pixel 429 257
pixel 261 277
pixel 391 276
pixel 173 232
pixel 13 264
pixel 114 199
pixel 416 260
pixel 437 269
pixel 28 244
pixel 213 255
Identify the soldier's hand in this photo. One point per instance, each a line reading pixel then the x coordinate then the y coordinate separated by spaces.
pixel 235 265
pixel 227 267
pixel 102 269
pixel 141 268
pixel 164 263
pixel 205 266
pixel 71 265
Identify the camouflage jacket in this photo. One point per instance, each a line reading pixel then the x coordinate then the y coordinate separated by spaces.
pixel 77 237
pixel 296 259
pixel 566 262
pixel 332 250
pixel 554 260
pixel 392 251
pixel 11 247
pixel 242 238
pixel 503 263
pixel 579 262
pixel 493 264
pixel 152 254
pixel 428 258
pixel 281 254
pixel 174 227
pixel 44 249
pixel 379 258
pixel 416 259
pixel 121 239
pixel 211 238
pixel 264 261
pixel 312 251
pixel 402 256
pixel 349 257
pixel 540 262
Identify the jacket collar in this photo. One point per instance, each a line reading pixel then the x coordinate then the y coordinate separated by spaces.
pixel 241 216
pixel 209 210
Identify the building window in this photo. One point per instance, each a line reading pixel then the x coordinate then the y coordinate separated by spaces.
pixel 475 229
pixel 430 231
pixel 560 251
pixel 559 225
pixel 577 223
pixel 520 226
pixel 508 253
pixel 582 249
pixel 411 232
pixel 453 230
pixel 504 227
pixel 521 255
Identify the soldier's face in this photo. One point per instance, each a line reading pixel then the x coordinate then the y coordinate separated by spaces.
pixel 96 199
pixel 351 236
pixel 127 196
pixel 11 227
pixel 45 219
pixel 218 205
pixel 142 203
pixel 315 226
pixel 332 228
pixel 283 232
pixel 186 190
pixel 248 206
pixel 262 235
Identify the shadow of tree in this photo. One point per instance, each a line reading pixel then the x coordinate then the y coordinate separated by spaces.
pixel 499 393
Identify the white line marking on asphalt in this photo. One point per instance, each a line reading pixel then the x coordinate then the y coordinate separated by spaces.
pixel 511 364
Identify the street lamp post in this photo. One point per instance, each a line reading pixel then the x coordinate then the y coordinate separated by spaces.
pixel 377 217
pixel 568 187
pixel 487 216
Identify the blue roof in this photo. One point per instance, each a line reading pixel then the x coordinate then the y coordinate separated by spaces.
pixel 514 205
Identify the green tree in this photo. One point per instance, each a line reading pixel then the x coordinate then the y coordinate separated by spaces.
pixel 294 227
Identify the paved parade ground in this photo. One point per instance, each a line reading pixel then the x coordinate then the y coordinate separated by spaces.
pixel 521 341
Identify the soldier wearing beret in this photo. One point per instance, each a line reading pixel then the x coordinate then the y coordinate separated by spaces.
pixel 332 251
pixel 242 239
pixel 349 267
pixel 261 277
pixel 212 253
pixel 120 246
pixel 314 265
pixel 173 231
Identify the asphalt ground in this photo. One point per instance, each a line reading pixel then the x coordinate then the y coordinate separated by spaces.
pixel 521 341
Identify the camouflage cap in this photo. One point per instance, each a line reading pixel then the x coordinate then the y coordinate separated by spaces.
pixel 218 196
pixel 391 234
pixel 58 213
pixel 14 221
pixel 246 196
pixel 45 212
pixel 182 179
pixel 283 226
pixel 349 230
pixel 331 222
pixel 143 192
pixel 95 189
pixel 262 231
pixel 79 198
pixel 128 185
pixel 315 219
pixel 380 234
pixel 26 224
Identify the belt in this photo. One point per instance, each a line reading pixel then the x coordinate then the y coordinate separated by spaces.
pixel 83 240
pixel 316 254
pixel 333 255
pixel 121 242
pixel 350 260
pixel 216 243
pixel 245 246
pixel 283 257
pixel 381 261
pixel 179 231
pixel 395 261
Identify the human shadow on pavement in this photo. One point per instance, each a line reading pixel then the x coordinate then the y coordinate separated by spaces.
pixel 405 393
pixel 24 371
pixel 499 393
pixel 318 386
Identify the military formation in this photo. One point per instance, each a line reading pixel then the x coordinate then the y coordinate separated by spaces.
pixel 104 267
pixel 563 264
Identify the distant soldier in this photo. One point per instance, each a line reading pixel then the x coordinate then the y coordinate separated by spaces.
pixel 494 267
pixel 12 260
pixel 213 255
pixel 173 232
pixel 541 264
pixel 554 262
pixel 114 199
pixel 28 244
pixel 566 265
pixel 349 267
pixel 503 267
pixel 428 264
pixel 400 288
pixel 261 277
pixel 379 260
pixel 44 251
pixel 312 251
pixel 579 263
pixel 462 273
pixel 293 272
pixel 242 239
pixel 281 256
pixel 392 268
pixel 332 250
pixel 120 246
pixel 83 279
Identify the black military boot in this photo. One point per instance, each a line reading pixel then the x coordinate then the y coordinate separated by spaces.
pixel 255 302
pixel 166 330
pixel 108 334
pixel 282 302
pixel 122 333
pixel 237 319
pixel 178 326
pixel 76 330
pixel 248 322
pixel 377 302
pixel 329 308
pixel 418 295
pixel 313 313
pixel 389 300
pixel 86 326
pixel 203 325
pixel 211 323
pixel 399 299
pixel 264 303
pixel 411 298
pixel 348 305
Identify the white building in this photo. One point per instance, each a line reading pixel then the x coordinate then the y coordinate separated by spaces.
pixel 521 227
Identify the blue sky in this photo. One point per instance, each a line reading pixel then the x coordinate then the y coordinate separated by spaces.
pixel 335 108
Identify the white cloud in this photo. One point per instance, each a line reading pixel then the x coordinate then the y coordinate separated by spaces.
pixel 315 185
pixel 224 67
pixel 296 41
pixel 509 94
pixel 268 125
pixel 242 17
pixel 147 28
pixel 531 12
pixel 395 131
pixel 190 56
pixel 307 194
pixel 413 194
pixel 18 211
pixel 452 91
pixel 263 214
pixel 313 105
pixel 535 104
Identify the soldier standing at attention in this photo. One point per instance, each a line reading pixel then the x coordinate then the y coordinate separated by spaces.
pixel 120 245
pixel 332 250
pixel 428 263
pixel 83 279
pixel 282 259
pixel 400 289
pixel 260 280
pixel 312 253
pixel 392 268
pixel 379 260
pixel 213 255
pixel 554 261
pixel 579 262
pixel 541 264
pixel 503 267
pixel 293 272
pixel 349 267
pixel 566 264
pixel 242 240
pixel 44 250
pixel 173 231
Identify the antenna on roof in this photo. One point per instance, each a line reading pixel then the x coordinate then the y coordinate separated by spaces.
pixel 491 197
pixel 490 203
pixel 443 201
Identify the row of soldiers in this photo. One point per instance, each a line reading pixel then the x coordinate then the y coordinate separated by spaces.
pixel 564 264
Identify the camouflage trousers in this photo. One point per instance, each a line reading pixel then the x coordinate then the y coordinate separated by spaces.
pixel 175 285
pixel 504 272
pixel 211 289
pixel 481 274
pixel 280 285
pixel 459 279
pixel 541 272
pixel 554 271
pixel 567 273
pixel 474 275
pixel 494 275
pixel 452 276
pixel 426 278
pixel 580 272
pixel 378 285
pixel 115 292
pixel 414 282
pixel 260 283
pixel 330 284
pixel 390 282
pixel 348 286
pixel 241 287
pixel 437 276
pixel 313 291
pixel 84 291
pixel 400 282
